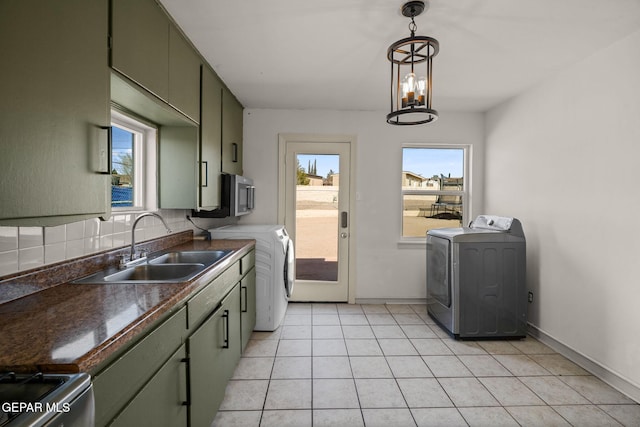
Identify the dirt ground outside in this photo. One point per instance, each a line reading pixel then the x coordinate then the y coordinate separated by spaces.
pixel 317 243
pixel 416 225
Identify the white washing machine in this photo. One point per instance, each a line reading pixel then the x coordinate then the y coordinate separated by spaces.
pixel 275 269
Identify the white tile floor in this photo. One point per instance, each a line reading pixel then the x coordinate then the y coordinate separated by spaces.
pixel 345 365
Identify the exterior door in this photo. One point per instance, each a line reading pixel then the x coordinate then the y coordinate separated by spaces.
pixel 315 207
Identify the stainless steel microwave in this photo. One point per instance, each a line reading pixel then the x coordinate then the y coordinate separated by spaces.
pixel 238 194
pixel 237 197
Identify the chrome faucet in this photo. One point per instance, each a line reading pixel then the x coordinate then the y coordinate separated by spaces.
pixel 133 231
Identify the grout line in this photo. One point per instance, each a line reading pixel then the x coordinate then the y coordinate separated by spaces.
pixel 444 341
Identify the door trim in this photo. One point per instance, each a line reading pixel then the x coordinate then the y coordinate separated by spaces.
pixel 285 138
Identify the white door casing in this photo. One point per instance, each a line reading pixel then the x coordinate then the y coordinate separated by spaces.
pixel 342 289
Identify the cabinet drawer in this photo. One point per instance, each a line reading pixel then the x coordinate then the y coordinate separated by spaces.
pixel 247 262
pixel 120 381
pixel 201 305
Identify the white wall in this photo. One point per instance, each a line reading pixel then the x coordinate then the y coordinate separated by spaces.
pixel 384 270
pixel 563 157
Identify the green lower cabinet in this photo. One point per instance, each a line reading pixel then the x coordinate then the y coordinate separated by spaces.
pixel 123 380
pixel 173 379
pixel 214 351
pixel 163 401
pixel 248 306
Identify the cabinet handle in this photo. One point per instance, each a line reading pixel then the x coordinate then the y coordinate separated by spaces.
pixel 225 320
pixel 205 181
pixel 187 368
pixel 234 156
pixel 104 166
pixel 245 298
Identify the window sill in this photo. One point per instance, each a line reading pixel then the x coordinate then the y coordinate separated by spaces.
pixel 412 244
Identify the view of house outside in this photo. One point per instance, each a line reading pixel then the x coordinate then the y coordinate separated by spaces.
pixel 432 189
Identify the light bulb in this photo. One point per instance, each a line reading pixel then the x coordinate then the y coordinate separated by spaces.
pixel 408 89
pixel 422 90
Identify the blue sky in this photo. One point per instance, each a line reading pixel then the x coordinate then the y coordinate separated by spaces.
pixel 434 161
pixel 324 163
pixel 425 162
pixel 121 143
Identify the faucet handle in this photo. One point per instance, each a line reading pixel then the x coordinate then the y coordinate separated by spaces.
pixel 123 261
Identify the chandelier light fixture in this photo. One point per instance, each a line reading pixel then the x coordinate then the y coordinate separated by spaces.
pixel 411 72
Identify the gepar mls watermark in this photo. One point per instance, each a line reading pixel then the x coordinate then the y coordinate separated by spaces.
pixel 32 407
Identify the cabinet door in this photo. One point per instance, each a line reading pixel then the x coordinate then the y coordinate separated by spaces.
pixel 231 133
pixel 54 83
pixel 116 384
pixel 163 401
pixel 248 306
pixel 214 350
pixel 210 140
pixel 178 160
pixel 184 75
pixel 140 44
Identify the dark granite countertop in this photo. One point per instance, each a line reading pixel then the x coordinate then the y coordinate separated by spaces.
pixel 74 328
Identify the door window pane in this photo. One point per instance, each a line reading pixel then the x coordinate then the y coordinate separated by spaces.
pixel 317 217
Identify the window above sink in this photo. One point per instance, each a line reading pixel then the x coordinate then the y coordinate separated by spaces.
pixel 133 159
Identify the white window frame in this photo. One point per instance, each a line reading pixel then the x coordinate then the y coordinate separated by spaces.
pixel 465 193
pixel 145 195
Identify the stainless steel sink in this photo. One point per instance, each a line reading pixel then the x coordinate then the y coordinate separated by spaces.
pixel 189 257
pixel 156 273
pixel 169 267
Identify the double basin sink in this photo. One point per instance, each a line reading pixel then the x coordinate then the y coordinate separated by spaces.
pixel 168 267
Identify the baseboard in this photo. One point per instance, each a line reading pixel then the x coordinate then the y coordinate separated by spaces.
pixel 614 379
pixel 391 301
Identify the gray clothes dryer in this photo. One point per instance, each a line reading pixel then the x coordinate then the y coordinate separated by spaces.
pixel 476 278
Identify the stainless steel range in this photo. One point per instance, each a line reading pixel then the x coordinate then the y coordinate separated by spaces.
pixel 51 400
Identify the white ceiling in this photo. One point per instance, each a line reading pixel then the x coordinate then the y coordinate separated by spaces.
pixel 331 54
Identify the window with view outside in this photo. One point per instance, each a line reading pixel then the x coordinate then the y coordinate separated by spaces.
pixel 133 163
pixel 433 189
pixel 122 172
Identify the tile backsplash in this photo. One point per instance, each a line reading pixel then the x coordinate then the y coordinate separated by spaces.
pixel 24 248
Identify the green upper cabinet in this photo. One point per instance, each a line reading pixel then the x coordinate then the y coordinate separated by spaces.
pixel 150 50
pixel 54 84
pixel 231 133
pixel 140 44
pixel 219 149
pixel 178 159
pixel 210 140
pixel 184 75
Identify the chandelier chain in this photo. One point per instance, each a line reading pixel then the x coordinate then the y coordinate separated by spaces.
pixel 412 27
